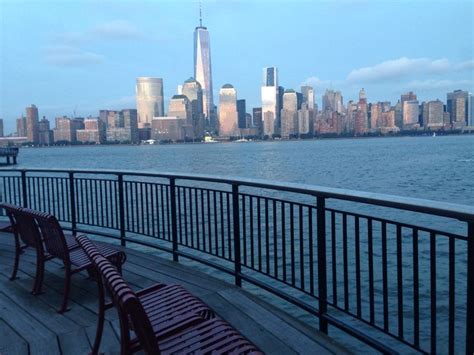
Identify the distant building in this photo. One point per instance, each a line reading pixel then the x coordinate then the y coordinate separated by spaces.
pixel 308 97
pixel 433 115
pixel 120 126
pixel 257 120
pixel 45 134
pixel 289 114
pixel 180 107
pixel 32 120
pixel 93 132
pixel 21 127
pixel 150 101
pixel 410 114
pixel 66 130
pixel 193 91
pixel 333 101
pixel 228 115
pixel 471 110
pixel 305 120
pixel 203 72
pixel 270 102
pixel 1 128
pixel 361 115
pixel 457 105
pixel 168 128
pixel 241 114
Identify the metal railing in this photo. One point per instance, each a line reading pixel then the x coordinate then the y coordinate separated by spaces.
pixel 390 271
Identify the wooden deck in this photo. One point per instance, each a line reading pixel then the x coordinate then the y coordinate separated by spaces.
pixel 30 324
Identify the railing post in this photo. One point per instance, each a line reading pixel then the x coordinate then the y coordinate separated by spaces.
pixel 470 290
pixel 174 223
pixel 236 221
pixel 322 267
pixel 121 210
pixel 72 202
pixel 23 189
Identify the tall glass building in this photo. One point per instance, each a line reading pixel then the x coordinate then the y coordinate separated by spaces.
pixel 150 103
pixel 203 72
pixel 270 107
pixel 228 115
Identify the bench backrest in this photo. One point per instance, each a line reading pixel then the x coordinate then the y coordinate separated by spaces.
pixel 24 225
pixel 52 232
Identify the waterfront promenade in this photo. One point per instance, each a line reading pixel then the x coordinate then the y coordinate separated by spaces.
pixel 31 325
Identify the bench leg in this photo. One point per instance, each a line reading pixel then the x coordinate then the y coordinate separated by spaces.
pixel 101 316
pixel 39 274
pixel 67 286
pixel 17 257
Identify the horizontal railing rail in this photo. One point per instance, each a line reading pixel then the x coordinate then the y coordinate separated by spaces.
pixel 389 271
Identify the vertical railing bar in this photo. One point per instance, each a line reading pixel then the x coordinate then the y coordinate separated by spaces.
pixel 216 236
pixel 168 213
pixel 300 224
pixel 433 291
pixel 196 207
pixel 72 202
pixel 267 237
pixel 292 244
pixel 452 303
pixel 322 267
pixel 283 239
pixel 229 240
pixel 385 277
pixel 236 224
pixel 203 221
pixel 174 224
pixel 416 291
pixel 345 261
pixel 252 245
pixel 148 216
pixel 275 241
pixel 209 229
pixel 185 207
pixel 191 227
pixel 371 270
pixel 179 217
pixel 259 222
pixel 244 230
pixel 470 289
pixel 333 258
pixel 311 254
pixel 222 223
pixel 121 209
pixel 400 280
pixel 357 261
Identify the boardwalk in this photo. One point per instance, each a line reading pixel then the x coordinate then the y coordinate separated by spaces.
pixel 30 324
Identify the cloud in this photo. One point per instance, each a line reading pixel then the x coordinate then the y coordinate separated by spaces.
pixel 316 82
pixel 115 30
pixel 396 69
pixel 68 56
pixel 120 103
pixel 438 84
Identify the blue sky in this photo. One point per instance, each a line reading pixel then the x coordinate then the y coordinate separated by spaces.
pixel 82 56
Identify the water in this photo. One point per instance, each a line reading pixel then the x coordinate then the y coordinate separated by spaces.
pixel 440 168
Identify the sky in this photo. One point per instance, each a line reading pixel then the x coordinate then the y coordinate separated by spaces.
pixel 78 56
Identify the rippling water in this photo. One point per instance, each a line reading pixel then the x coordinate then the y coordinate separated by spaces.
pixel 440 168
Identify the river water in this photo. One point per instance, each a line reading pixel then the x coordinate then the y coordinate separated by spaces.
pixel 436 168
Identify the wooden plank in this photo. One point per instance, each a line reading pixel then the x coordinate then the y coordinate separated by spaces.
pixel 75 342
pixel 247 326
pixel 296 340
pixel 10 341
pixel 40 339
pixel 110 343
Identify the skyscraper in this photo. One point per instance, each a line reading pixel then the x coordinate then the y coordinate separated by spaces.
pixel 410 114
pixel 270 106
pixel 241 111
pixel 308 96
pixel 150 103
pixel 32 121
pixel 193 91
pixel 289 114
pixel 202 70
pixel 457 105
pixel 228 116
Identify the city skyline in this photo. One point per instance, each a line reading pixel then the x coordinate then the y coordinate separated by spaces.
pixel 454 61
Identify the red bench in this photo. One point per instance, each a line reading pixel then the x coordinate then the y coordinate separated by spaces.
pixel 164 318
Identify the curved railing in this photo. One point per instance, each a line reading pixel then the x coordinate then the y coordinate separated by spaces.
pixel 392 272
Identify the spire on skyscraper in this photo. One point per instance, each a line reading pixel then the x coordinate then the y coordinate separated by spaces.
pixel 200 13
